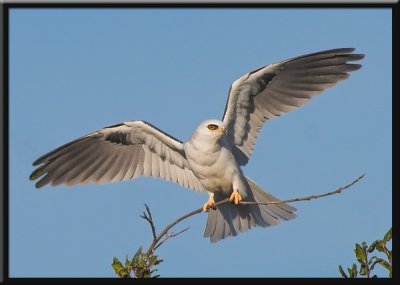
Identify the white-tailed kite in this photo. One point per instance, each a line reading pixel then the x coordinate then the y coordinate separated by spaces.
pixel 211 159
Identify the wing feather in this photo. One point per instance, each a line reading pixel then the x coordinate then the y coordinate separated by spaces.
pixel 161 166
pixel 278 88
pixel 126 161
pixel 155 165
pixel 118 166
pixel 147 162
pixel 140 164
pixel 132 167
pixel 119 152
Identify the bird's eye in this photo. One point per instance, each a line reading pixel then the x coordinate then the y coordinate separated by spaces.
pixel 212 127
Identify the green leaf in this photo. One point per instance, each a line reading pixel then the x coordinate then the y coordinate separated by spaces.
pixel 350 272
pixel 372 260
pixel 119 268
pixel 128 265
pixel 383 263
pixel 136 256
pixel 342 272
pixel 374 263
pixel 354 271
pixel 386 265
pixel 360 254
pixel 380 246
pixel 388 235
pixel 152 261
pixel 372 246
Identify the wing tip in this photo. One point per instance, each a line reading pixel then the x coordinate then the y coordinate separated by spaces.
pixel 40 184
pixel 354 67
pixel 35 174
pixel 347 51
pixel 352 56
pixel 359 55
pixel 343 50
pixel 38 161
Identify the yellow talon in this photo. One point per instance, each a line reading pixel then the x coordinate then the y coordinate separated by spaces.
pixel 208 204
pixel 235 197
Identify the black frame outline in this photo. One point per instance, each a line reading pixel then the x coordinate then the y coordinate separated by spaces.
pixel 4 14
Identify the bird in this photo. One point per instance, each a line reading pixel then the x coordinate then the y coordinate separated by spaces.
pixel 211 160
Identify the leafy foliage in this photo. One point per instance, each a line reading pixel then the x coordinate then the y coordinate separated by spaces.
pixel 368 264
pixel 140 266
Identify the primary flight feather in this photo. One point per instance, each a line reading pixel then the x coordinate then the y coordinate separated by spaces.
pixel 211 159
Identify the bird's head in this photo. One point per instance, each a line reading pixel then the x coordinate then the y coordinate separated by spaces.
pixel 211 129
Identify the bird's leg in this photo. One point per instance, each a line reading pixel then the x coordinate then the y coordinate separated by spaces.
pixel 235 197
pixel 209 203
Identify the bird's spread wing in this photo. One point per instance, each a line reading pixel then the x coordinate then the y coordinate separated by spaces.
pixel 119 152
pixel 278 88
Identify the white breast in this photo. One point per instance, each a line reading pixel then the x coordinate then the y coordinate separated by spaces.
pixel 213 164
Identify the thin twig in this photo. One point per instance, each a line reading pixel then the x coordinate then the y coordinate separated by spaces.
pixel 149 218
pixel 307 198
pixel 167 228
pixel 156 241
pixel 170 236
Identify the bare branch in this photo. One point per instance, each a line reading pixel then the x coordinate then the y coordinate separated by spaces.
pixel 149 218
pixel 308 198
pixel 142 263
pixel 178 233
pixel 158 240
pixel 167 228
pixel 170 235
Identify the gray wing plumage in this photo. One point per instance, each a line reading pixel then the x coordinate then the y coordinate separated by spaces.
pixel 278 88
pixel 115 153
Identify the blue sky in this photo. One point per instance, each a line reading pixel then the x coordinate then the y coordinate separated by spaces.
pixel 73 71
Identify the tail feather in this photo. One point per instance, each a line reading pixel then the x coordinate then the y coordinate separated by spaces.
pixel 230 220
pixel 284 211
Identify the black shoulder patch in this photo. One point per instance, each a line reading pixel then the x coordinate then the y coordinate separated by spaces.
pixel 118 138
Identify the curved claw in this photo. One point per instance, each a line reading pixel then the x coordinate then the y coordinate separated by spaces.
pixel 208 204
pixel 235 197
